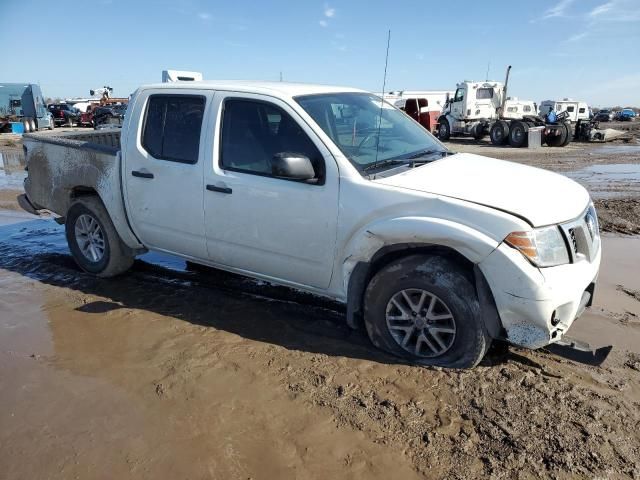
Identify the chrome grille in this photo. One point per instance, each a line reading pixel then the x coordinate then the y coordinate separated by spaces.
pixel 582 236
pixel 574 242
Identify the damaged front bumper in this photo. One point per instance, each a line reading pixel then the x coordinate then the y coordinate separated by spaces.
pixel 537 306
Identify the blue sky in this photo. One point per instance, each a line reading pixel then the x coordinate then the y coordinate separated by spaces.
pixel 585 49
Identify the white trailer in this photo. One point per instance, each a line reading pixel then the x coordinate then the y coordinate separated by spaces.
pixel 575 109
pixel 436 99
pixel 171 76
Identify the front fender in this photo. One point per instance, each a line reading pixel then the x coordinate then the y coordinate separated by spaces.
pixel 362 246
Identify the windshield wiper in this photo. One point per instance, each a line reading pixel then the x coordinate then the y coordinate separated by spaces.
pixel 426 153
pixel 383 163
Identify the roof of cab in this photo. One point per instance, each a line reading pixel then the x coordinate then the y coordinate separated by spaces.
pixel 279 89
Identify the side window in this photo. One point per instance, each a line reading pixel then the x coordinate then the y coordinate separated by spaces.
pixel 254 131
pixel 570 108
pixel 512 109
pixel 484 93
pixel 459 95
pixel 172 126
pixel 581 110
pixel 527 108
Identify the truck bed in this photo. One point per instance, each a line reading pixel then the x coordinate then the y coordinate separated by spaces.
pixel 61 167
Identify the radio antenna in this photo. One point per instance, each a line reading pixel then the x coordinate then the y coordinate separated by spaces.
pixel 488 66
pixel 384 85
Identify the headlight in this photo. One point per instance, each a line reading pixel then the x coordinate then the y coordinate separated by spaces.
pixel 544 247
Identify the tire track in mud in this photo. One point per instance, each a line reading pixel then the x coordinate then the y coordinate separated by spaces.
pixel 519 415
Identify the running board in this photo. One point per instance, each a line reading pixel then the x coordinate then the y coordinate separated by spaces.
pixel 579 351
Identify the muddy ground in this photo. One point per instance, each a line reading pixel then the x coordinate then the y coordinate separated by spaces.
pixel 171 373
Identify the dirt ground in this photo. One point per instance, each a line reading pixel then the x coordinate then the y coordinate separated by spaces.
pixel 172 373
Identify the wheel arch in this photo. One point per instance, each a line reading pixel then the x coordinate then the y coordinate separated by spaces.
pixel 124 230
pixel 364 268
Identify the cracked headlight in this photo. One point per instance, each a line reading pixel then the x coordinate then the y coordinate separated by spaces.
pixel 544 247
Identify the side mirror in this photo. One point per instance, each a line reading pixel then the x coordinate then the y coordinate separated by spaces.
pixel 293 166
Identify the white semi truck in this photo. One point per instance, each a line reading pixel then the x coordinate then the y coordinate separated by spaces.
pixel 481 108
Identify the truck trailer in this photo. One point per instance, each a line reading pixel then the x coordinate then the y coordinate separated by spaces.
pixel 23 103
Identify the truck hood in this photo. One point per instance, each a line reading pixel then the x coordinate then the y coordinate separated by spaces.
pixel 539 196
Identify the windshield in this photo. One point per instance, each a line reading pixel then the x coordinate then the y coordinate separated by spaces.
pixel 368 134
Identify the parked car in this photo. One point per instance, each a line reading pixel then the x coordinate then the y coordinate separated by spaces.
pixel 626 115
pixel 64 114
pixel 436 253
pixel 604 116
pixel 109 115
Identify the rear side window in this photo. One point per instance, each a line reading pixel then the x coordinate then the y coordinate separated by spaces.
pixel 483 93
pixel 570 109
pixel 527 108
pixel 581 110
pixel 172 126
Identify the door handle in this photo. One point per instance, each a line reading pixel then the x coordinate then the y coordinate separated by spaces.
pixel 137 173
pixel 213 188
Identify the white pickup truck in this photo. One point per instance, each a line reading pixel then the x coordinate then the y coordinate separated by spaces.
pixel 329 190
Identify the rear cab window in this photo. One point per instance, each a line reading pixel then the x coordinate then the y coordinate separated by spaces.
pixel 172 127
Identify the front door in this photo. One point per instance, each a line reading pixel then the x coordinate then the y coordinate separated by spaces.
pixel 457 107
pixel 163 171
pixel 255 222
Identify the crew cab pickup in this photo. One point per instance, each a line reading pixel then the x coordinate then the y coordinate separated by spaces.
pixel 335 192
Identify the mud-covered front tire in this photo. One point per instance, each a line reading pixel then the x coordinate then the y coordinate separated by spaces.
pixel 424 308
pixel 93 240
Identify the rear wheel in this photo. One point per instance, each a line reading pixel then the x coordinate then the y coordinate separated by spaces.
pixel 424 308
pixel 479 131
pixel 444 129
pixel 32 125
pixel 69 121
pixel 93 240
pixel 518 134
pixel 26 126
pixel 557 138
pixel 499 132
pixel 567 140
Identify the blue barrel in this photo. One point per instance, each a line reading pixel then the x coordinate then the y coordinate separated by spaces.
pixel 17 127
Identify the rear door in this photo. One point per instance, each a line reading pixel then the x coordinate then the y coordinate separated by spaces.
pixel 255 222
pixel 163 170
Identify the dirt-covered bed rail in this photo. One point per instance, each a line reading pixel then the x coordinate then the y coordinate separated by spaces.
pixel 102 141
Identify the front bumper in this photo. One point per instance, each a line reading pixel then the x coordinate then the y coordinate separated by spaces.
pixel 538 305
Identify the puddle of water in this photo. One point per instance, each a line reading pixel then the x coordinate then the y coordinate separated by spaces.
pixel 610 180
pixel 12 172
pixel 613 149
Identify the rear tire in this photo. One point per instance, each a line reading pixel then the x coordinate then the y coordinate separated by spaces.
pixel 32 125
pixel 424 308
pixel 26 126
pixel 567 140
pixel 499 133
pixel 479 131
pixel 518 134
pixel 444 130
pixel 93 240
pixel 557 140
